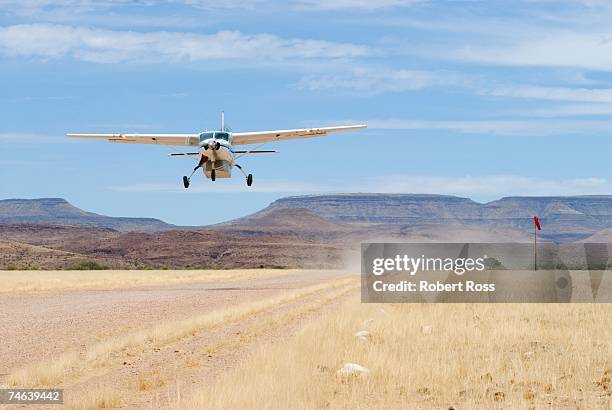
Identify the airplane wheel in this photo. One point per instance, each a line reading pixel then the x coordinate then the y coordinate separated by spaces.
pixel 249 180
pixel 213 174
pixel 185 182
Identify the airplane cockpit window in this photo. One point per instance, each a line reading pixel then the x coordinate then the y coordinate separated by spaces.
pixel 206 135
pixel 222 136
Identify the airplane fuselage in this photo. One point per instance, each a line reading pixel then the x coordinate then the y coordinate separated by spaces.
pixel 216 152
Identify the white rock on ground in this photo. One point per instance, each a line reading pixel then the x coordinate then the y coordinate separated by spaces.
pixel 352 369
pixel 426 329
pixel 363 335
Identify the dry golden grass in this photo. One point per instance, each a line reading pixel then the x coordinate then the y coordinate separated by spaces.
pixel 71 364
pixel 150 380
pixel 476 356
pixel 100 398
pixel 53 281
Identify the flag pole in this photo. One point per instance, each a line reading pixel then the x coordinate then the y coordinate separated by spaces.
pixel 535 247
pixel 536 228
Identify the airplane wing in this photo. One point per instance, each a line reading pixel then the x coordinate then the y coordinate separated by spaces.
pixel 160 139
pixel 245 138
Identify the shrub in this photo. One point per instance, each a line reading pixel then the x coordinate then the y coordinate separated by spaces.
pixel 493 264
pixel 86 265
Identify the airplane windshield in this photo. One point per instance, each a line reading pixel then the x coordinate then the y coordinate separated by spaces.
pixel 206 135
pixel 222 136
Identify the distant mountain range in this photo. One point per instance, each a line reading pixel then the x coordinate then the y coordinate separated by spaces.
pixel 564 219
pixel 58 211
pixel 302 231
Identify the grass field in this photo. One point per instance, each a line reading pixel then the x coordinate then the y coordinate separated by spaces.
pixel 431 356
pixel 276 339
pixel 62 280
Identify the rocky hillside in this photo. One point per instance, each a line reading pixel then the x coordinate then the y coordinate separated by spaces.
pixel 564 218
pixel 296 222
pixel 385 208
pixel 60 212
pixel 306 231
pixel 39 246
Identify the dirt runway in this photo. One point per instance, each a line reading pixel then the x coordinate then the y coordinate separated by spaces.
pixel 146 346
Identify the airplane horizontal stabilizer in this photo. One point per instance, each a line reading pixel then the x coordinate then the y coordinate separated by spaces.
pixel 255 152
pixel 178 154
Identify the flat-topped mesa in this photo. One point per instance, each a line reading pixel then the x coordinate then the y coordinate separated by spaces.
pixel 568 218
pixel 546 206
pixel 55 207
pixel 61 212
pixel 384 208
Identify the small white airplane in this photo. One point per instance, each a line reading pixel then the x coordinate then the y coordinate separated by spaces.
pixel 216 151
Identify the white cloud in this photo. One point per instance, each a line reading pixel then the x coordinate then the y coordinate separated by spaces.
pixel 234 185
pixel 552 48
pixel 376 80
pixel 32 7
pixel 483 186
pixel 354 4
pixel 103 13
pixel 569 110
pixel 231 4
pixel 107 46
pixel 490 186
pixel 35 6
pixel 598 102
pixel 534 127
pixel 554 93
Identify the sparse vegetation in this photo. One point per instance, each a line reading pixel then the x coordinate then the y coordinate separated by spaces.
pixel 100 398
pixel 417 355
pixel 493 264
pixel 476 356
pixel 13 267
pixel 43 281
pixel 86 265
pixel 150 380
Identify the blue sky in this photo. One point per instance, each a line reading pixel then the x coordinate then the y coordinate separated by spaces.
pixel 481 99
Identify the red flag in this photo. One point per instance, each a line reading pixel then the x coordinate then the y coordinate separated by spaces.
pixel 536 221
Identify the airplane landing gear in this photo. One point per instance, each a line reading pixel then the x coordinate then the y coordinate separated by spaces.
pixel 213 174
pixel 187 179
pixel 249 178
